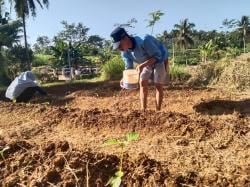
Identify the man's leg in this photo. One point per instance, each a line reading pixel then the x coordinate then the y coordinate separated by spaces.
pixel 143 93
pixel 159 96
pixel 160 75
pixel 144 77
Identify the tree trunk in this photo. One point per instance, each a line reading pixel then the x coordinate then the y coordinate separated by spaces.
pixel 173 54
pixel 244 44
pixel 4 78
pixel 185 54
pixel 244 39
pixel 25 43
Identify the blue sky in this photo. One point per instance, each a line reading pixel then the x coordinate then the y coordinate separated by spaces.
pixel 101 15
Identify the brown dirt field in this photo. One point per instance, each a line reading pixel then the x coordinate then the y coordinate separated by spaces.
pixel 200 138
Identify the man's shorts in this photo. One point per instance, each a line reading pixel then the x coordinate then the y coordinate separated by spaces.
pixel 156 72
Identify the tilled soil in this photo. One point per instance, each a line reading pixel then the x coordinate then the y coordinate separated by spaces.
pixel 200 138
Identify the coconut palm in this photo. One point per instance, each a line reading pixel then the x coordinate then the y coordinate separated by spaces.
pixel 9 30
pixel 9 33
pixel 184 31
pixel 244 25
pixel 23 8
pixel 155 16
pixel 229 23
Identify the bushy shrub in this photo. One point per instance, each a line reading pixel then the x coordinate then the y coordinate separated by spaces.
pixel 41 60
pixel 205 73
pixel 112 70
pixel 248 47
pixel 43 77
pixel 232 52
pixel 191 57
pixel 179 73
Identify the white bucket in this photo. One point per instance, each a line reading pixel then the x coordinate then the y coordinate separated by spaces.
pixel 130 79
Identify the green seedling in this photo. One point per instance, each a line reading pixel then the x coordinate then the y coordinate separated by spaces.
pixel 14 100
pixel 66 107
pixel 116 180
pixel 3 150
pixel 45 103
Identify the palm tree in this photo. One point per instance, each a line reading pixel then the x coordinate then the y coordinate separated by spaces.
pixel 155 16
pixel 168 38
pixel 23 9
pixel 184 31
pixel 9 33
pixel 244 25
pixel 129 24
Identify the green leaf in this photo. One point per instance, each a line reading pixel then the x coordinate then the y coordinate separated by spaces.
pixel 119 174
pixel 116 180
pixel 111 142
pixel 132 136
pixel 2 151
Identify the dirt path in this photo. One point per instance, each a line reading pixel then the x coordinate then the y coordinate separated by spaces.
pixel 200 138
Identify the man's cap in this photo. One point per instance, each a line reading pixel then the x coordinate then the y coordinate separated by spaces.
pixel 117 36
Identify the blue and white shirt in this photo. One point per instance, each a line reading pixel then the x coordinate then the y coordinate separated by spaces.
pixel 144 49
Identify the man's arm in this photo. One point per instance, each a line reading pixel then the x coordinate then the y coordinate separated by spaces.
pixel 152 49
pixel 148 62
pixel 128 61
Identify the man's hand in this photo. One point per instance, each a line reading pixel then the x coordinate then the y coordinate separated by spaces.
pixel 139 68
pixel 144 64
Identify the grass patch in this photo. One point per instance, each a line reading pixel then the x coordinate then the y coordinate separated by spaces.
pixel 41 60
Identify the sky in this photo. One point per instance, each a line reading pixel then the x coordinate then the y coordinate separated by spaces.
pixel 101 15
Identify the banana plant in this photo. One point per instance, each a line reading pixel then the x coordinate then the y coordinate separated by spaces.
pixel 207 50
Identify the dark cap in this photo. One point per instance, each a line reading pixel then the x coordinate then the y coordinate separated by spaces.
pixel 117 35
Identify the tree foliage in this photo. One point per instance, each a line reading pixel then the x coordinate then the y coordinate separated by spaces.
pixel 42 45
pixel 154 17
pixel 23 9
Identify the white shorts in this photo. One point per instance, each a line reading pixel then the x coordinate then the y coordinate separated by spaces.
pixel 156 72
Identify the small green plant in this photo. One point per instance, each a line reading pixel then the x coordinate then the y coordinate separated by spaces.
pixel 67 107
pixel 116 180
pixel 3 150
pixel 45 103
pixel 28 104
